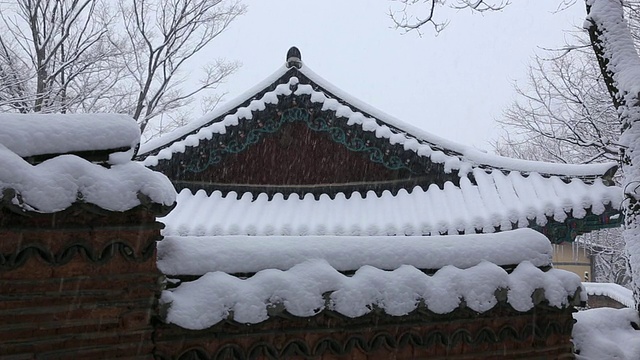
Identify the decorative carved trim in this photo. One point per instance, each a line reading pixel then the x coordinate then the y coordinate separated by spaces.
pixel 300 109
pixel 325 123
pixel 559 232
pixel 380 340
pixel 102 255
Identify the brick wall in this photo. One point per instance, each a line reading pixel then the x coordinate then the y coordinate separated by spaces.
pixel 78 284
pixel 83 284
pixel 501 333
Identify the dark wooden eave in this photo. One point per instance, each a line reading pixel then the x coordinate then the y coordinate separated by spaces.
pixel 94 156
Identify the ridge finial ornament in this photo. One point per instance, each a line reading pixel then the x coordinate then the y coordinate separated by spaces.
pixel 294 58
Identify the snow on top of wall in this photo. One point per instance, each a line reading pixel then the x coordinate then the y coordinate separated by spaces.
pixel 57 183
pixel 178 255
pixel 413 139
pixel 39 134
pixel 614 291
pixel 606 333
pixel 498 200
pixel 310 287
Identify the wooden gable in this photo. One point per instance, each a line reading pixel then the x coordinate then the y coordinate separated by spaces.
pixel 297 147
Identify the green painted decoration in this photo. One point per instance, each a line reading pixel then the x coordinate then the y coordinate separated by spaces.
pixel 243 140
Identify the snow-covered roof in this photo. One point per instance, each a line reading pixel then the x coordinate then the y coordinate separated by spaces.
pixel 497 201
pixel 480 193
pixel 301 275
pixel 250 254
pixel 614 291
pixel 295 81
pixel 41 134
pixel 62 180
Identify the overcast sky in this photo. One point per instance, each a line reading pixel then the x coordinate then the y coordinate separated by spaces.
pixel 453 85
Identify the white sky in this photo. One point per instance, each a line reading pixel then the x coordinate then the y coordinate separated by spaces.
pixel 453 85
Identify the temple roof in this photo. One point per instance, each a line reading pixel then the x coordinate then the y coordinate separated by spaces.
pixel 292 82
pixel 265 227
pixel 394 179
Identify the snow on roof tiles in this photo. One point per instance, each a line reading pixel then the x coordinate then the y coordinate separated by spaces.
pixel 454 156
pixel 38 134
pixel 302 275
pixel 57 183
pixel 308 288
pixel 498 200
pixel 614 291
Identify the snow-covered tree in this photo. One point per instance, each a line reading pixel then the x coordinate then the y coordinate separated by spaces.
pixel 125 56
pixel 620 67
pixel 562 114
pixel 609 258
pixel 52 54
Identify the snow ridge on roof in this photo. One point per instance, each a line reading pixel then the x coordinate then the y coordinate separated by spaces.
pixel 308 288
pixel 207 119
pixel 250 254
pixel 454 156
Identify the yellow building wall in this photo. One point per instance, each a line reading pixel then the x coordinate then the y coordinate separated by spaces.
pixel 571 257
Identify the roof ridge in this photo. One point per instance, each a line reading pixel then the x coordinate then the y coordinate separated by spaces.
pixel 453 155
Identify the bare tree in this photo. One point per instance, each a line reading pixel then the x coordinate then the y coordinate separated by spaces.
pixel 93 55
pixel 413 15
pixel 163 37
pixel 563 113
pixel 45 48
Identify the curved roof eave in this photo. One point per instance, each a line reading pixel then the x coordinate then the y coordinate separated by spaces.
pixel 478 157
pixel 467 154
